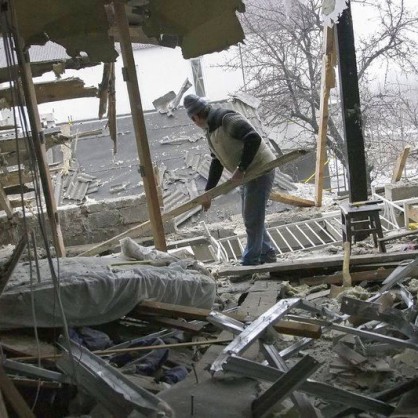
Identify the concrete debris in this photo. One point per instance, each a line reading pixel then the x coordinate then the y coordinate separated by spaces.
pixel 169 102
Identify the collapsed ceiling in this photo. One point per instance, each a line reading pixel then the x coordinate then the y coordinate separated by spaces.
pixel 197 26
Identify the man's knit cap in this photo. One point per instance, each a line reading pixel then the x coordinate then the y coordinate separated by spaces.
pixel 194 104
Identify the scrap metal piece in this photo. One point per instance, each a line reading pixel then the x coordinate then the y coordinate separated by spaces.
pixel 373 311
pixel 330 393
pixel 34 371
pixel 405 268
pixel 108 386
pixel 225 322
pixel 254 330
pixel 333 411
pixel 295 348
pixel 284 385
pixel 361 333
pixel 301 402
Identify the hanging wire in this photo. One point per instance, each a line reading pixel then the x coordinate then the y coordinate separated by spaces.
pixel 12 48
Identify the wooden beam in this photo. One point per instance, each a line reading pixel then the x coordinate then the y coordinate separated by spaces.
pixel 187 312
pixel 327 83
pixel 3 410
pixel 53 91
pixel 318 263
pixel 111 112
pixel 212 193
pixel 39 145
pixel 377 275
pixel 40 68
pixel 53 136
pixel 400 164
pixel 103 89
pixel 5 203
pixel 11 264
pixel 289 199
pixel 146 169
pixel 13 396
pixel 351 109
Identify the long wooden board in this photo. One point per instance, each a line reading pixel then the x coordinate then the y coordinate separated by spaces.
pixel 289 199
pixel 320 263
pixel 179 311
pixel 212 193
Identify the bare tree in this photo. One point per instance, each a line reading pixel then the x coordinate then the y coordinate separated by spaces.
pixel 282 57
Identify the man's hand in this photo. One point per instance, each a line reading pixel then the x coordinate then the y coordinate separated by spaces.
pixel 206 202
pixel 237 176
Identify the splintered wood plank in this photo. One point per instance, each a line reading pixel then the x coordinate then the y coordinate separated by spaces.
pixel 289 199
pixel 13 396
pixel 3 410
pixel 400 164
pixel 327 82
pixel 356 277
pixel 55 91
pixel 5 203
pixel 175 323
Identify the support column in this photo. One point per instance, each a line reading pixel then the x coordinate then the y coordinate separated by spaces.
pixel 327 83
pixel 38 138
pixel 350 99
pixel 146 169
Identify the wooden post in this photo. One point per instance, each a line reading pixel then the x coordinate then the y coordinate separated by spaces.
pixel 5 203
pixel 38 139
pixel 400 164
pixel 347 282
pixel 13 396
pixel 350 99
pixel 146 169
pixel 327 83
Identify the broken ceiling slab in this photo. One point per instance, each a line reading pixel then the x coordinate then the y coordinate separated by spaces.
pixel 198 27
pixel 53 91
pixel 81 26
pixel 78 26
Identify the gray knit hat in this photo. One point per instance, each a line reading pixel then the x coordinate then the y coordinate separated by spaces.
pixel 194 104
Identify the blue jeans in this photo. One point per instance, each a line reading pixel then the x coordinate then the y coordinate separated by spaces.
pixel 254 196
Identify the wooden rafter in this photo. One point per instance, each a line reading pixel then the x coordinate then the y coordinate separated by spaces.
pixel 327 83
pixel 53 91
pixel 4 202
pixel 39 146
pixel 400 164
pixel 139 126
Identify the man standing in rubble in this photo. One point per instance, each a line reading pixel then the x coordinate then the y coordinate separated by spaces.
pixel 238 147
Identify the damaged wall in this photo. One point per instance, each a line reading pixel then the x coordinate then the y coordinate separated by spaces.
pixel 91 222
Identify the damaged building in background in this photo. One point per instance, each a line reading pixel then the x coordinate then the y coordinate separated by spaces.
pixel 120 298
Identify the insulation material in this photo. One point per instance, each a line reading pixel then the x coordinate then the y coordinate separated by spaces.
pixel 93 292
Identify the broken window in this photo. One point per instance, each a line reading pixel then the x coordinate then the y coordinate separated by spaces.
pixel 198 77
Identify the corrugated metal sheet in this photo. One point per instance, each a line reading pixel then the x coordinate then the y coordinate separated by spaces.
pixel 76 185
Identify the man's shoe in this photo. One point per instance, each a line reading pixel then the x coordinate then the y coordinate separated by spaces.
pixel 269 257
